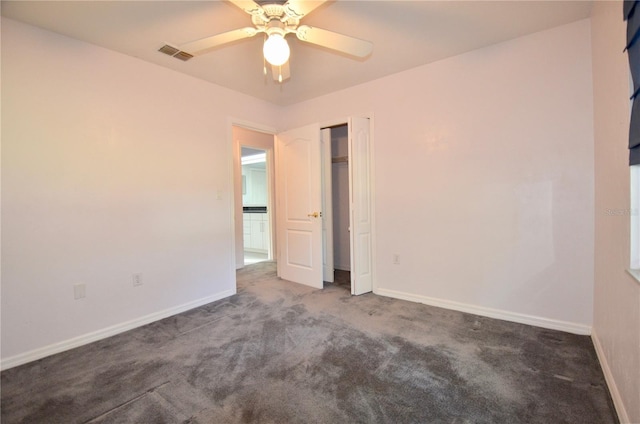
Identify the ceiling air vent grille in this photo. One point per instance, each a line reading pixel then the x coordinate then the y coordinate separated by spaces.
pixel 183 56
pixel 174 52
pixel 167 49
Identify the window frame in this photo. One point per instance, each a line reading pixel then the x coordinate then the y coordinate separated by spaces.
pixel 634 215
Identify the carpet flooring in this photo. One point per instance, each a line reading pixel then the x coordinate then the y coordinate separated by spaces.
pixel 279 352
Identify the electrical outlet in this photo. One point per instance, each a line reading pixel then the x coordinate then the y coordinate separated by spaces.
pixel 136 279
pixel 396 259
pixel 79 291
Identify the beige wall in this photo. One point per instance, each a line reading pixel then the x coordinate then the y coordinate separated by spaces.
pixel 616 324
pixel 484 184
pixel 110 166
pixel 484 178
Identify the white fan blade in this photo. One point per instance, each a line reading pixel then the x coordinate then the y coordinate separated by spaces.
pixel 299 8
pixel 249 6
pixel 277 71
pixel 333 40
pixel 203 45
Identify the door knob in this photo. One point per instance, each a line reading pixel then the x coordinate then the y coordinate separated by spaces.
pixel 314 215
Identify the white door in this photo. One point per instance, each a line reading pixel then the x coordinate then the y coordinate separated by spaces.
pixel 360 197
pixel 299 199
pixel 327 208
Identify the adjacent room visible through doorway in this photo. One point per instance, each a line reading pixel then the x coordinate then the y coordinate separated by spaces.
pixel 255 216
pixel 253 169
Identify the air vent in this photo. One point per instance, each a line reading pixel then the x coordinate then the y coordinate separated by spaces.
pixel 167 49
pixel 177 53
pixel 183 56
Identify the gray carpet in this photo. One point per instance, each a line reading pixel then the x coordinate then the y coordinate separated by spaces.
pixel 279 352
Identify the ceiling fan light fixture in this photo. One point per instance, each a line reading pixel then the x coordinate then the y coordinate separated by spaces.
pixel 276 50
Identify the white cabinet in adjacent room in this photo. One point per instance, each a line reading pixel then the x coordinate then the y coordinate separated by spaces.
pixel 246 229
pixel 254 185
pixel 258 178
pixel 256 232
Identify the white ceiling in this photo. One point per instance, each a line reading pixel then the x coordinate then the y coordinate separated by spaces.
pixel 405 34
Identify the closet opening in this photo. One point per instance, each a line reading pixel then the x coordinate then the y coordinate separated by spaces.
pixel 347 225
pixel 337 189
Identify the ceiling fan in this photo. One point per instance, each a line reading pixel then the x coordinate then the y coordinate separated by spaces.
pixel 276 19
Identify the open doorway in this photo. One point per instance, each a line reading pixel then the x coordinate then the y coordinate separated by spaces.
pixel 298 227
pixel 254 203
pixel 256 232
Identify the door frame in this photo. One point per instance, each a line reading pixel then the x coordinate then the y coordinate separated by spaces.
pixel 236 189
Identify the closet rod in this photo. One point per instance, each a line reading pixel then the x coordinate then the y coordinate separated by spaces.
pixel 340 159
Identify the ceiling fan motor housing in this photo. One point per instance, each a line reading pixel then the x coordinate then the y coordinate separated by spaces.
pixel 275 19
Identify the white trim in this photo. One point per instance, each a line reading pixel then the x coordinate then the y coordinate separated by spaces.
pixel 635 273
pixel 570 327
pixel 611 382
pixel 62 346
pixel 334 123
pixel 249 125
pixel 372 198
pixel 634 215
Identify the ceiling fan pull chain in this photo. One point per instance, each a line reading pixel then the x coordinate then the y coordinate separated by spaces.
pixel 280 74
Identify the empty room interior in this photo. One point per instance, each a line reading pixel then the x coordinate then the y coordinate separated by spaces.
pixel 425 212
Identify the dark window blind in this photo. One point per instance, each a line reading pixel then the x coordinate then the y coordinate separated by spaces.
pixel 632 16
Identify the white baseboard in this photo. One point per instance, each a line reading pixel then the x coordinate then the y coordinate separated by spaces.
pixel 569 327
pixel 52 349
pixel 608 376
